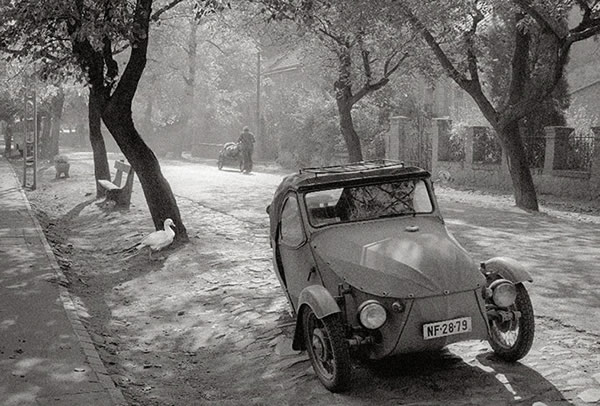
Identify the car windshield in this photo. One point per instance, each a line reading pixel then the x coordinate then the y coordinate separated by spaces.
pixel 368 202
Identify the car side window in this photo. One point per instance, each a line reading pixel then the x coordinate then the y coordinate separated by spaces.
pixel 291 232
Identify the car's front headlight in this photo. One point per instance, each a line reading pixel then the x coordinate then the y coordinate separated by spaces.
pixel 372 314
pixel 504 293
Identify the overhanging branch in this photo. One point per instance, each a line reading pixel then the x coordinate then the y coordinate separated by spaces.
pixel 434 45
pixel 156 15
pixel 545 21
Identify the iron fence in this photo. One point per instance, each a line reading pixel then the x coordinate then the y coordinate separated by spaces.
pixel 486 148
pixel 580 150
pixel 535 150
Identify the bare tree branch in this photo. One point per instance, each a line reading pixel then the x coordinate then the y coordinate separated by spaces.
pixel 434 45
pixel 325 29
pixel 369 87
pixel 472 86
pixel 215 45
pixel 156 15
pixel 470 40
pixel 546 22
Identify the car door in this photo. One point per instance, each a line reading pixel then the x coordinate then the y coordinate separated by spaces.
pixel 294 253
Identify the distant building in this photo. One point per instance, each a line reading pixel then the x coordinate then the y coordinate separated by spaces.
pixel 583 77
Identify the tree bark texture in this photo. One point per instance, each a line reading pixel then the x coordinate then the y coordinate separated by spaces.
pixel 56 111
pixel 44 137
pixel 117 116
pixel 344 100
pixel 8 139
pixel 158 193
pixel 101 168
pixel 520 174
pixel 508 132
pixel 505 119
pixel 111 99
pixel 348 132
pixel 49 142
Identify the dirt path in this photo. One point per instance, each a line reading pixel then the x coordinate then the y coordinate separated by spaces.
pixel 209 324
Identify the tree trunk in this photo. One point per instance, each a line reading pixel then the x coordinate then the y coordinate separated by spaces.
pixel 158 193
pixel 343 98
pixel 44 138
pixel 8 138
pixel 101 168
pixel 520 174
pixel 116 111
pixel 56 111
pixel 183 136
pixel 348 132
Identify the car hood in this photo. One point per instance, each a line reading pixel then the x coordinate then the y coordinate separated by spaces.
pixel 402 257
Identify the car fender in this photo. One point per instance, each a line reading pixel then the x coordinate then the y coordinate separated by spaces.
pixel 321 302
pixel 508 268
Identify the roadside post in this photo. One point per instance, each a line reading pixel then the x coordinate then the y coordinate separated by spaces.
pixel 30 138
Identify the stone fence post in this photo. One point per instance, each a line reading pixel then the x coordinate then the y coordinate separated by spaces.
pixel 469 137
pixel 440 132
pixel 555 157
pixel 396 139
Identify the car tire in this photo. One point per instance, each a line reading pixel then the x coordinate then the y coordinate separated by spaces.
pixel 522 329
pixel 327 349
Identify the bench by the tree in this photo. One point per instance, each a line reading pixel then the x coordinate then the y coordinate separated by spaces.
pixel 120 194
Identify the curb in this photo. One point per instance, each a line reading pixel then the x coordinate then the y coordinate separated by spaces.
pixel 73 311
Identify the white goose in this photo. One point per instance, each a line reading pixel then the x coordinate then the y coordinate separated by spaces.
pixel 158 239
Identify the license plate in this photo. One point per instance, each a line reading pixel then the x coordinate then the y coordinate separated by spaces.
pixel 446 328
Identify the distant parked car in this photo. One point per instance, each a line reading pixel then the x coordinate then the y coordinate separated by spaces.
pixel 370 270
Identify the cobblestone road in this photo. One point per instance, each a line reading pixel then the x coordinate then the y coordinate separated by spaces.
pixel 235 315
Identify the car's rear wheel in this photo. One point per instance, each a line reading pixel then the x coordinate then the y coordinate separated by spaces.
pixel 512 340
pixel 328 349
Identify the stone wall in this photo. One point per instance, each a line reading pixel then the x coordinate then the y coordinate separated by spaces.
pixel 552 178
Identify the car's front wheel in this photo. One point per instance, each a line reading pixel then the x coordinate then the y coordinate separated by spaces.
pixel 328 349
pixel 511 340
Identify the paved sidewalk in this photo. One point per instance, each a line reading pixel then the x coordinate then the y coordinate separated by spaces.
pixel 46 354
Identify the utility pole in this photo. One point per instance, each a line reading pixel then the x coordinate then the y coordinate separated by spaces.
pixel 259 139
pixel 30 139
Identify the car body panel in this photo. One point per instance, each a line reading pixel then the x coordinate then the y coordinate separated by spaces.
pixel 508 268
pixel 440 308
pixel 298 263
pixel 382 258
pixel 322 303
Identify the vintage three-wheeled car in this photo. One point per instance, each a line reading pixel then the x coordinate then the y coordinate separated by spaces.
pixel 369 269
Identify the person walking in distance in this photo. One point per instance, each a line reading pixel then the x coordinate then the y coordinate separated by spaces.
pixel 246 142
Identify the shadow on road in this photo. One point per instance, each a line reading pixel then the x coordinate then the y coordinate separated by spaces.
pixel 560 255
pixel 445 378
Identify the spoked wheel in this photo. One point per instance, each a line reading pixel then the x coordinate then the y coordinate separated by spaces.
pixel 512 340
pixel 327 349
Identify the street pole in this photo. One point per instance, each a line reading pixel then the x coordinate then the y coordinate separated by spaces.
pixel 30 145
pixel 25 135
pixel 258 132
pixel 35 140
